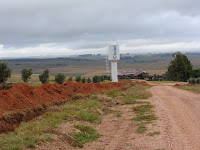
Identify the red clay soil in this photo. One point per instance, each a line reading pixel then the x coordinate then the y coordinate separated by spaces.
pixel 25 102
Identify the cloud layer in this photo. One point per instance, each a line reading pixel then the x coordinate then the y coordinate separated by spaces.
pixel 50 27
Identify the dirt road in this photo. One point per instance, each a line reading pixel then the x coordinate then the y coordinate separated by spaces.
pixel 178 122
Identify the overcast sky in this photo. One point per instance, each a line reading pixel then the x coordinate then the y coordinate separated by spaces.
pixel 68 27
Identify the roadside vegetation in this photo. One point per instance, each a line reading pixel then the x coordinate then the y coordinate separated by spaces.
pixel 195 88
pixel 80 110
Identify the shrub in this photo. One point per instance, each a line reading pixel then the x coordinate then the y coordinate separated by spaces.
pixel 5 72
pixel 70 78
pixel 194 80
pixel 78 79
pixel 96 79
pixel 198 81
pixel 26 74
pixel 44 77
pixel 60 78
pixel 89 80
pixel 102 78
pixel 83 80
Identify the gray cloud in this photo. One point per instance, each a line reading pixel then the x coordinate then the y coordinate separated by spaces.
pixel 84 25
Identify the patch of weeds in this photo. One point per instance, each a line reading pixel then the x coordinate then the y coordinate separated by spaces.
pixel 115 94
pixel 153 133
pixel 144 115
pixel 141 129
pixel 84 135
pixel 134 93
pixel 147 118
pixel 128 144
pixel 89 116
pixel 142 109
pixel 114 121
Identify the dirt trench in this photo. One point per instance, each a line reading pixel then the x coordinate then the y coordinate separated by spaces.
pixel 178 113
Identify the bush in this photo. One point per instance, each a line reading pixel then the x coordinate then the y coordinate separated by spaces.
pixel 89 80
pixel 194 80
pixel 198 81
pixel 96 79
pixel 78 79
pixel 83 80
pixel 26 74
pixel 60 78
pixel 44 77
pixel 5 72
pixel 70 78
pixel 102 78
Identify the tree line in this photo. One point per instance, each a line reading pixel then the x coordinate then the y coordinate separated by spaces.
pixel 5 73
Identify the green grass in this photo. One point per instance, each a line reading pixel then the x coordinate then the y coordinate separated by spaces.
pixel 153 133
pixel 134 93
pixel 84 135
pixel 142 109
pixel 161 82
pixel 147 118
pixel 141 129
pixel 131 95
pixel 144 115
pixel 195 89
pixel 32 133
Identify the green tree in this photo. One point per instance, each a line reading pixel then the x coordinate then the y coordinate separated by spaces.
pixel 60 78
pixel 196 73
pixel 26 74
pixel 44 77
pixel 180 69
pixel 5 72
pixel 78 78
pixel 102 78
pixel 89 80
pixel 96 79
pixel 83 80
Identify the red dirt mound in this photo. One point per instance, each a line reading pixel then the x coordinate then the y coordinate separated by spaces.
pixel 177 85
pixel 24 102
pixel 22 96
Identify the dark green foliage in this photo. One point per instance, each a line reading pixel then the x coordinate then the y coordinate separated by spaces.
pixel 102 78
pixel 78 79
pixel 194 80
pixel 83 80
pixel 60 78
pixel 84 135
pixel 180 69
pixel 26 74
pixel 107 77
pixel 96 79
pixel 89 80
pixel 70 78
pixel 44 77
pixel 196 73
pixel 5 72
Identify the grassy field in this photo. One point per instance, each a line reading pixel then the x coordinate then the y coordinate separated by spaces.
pixel 93 65
pixel 195 89
pixel 86 109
